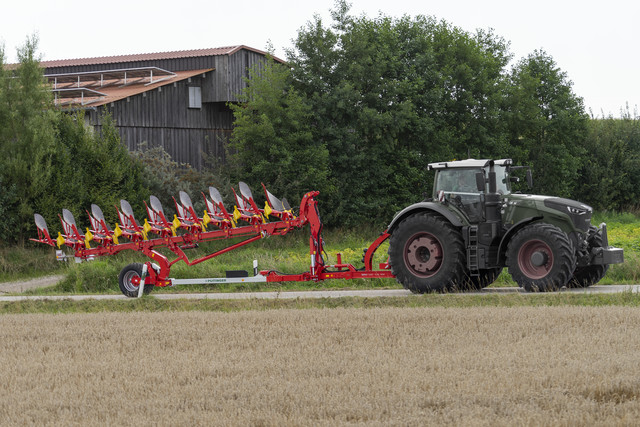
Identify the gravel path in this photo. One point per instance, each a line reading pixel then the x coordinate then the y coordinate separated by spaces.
pixel 23 285
pixel 371 293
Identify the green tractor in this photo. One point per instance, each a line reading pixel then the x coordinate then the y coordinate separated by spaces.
pixel 474 226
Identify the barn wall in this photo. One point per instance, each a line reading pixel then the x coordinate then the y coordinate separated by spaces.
pixel 162 117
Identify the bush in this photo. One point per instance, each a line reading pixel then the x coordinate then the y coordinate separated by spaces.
pixel 165 178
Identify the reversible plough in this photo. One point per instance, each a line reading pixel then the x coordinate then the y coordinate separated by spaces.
pixel 187 230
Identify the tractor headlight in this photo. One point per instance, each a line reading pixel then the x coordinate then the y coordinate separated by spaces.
pixel 577 211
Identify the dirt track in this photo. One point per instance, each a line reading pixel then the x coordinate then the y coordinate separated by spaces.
pixel 21 286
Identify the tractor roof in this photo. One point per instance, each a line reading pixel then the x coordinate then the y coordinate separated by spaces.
pixel 469 163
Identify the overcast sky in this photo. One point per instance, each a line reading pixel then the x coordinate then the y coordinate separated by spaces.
pixel 596 42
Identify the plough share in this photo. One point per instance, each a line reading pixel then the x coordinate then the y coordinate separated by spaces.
pixel 187 230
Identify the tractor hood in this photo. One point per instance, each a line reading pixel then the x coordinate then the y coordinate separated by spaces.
pixel 579 213
pixel 520 206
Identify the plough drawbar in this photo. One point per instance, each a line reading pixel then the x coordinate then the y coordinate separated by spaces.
pixel 186 230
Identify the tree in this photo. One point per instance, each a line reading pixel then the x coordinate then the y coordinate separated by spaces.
pixel 272 140
pixel 391 95
pixel 50 159
pixel 26 132
pixel 89 167
pixel 546 123
pixel 610 169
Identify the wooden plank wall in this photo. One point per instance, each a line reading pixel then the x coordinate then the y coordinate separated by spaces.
pixel 184 145
pixel 239 66
pixel 162 117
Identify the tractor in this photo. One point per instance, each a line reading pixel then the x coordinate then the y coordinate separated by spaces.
pixel 460 239
pixel 474 225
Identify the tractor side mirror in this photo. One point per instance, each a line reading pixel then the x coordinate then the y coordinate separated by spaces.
pixel 529 178
pixel 480 182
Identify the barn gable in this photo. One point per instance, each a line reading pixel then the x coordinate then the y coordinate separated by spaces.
pixel 176 100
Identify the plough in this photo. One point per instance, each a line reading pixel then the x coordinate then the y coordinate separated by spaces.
pixel 186 230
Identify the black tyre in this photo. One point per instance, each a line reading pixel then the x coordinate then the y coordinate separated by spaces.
pixel 426 254
pixel 125 280
pixel 590 275
pixel 487 277
pixel 540 257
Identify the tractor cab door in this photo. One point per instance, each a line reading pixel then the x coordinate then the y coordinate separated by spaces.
pixel 461 190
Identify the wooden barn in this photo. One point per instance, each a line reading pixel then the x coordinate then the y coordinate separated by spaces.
pixel 177 100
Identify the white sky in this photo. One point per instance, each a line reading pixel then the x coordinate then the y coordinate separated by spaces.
pixel 596 42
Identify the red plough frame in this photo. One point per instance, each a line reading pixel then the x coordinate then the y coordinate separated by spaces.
pixel 187 230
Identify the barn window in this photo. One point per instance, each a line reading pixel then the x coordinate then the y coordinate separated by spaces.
pixel 195 97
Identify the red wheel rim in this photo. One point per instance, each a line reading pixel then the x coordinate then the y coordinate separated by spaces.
pixel 423 254
pixel 535 259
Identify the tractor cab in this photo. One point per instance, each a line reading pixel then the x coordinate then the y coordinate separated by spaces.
pixel 460 178
pixel 466 183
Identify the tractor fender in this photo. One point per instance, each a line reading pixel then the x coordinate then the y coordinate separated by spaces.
pixel 502 249
pixel 422 207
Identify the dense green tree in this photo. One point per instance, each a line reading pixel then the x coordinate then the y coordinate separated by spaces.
pixel 50 159
pixel 90 167
pixel 8 219
pixel 391 95
pixel 610 169
pixel 272 140
pixel 546 123
pixel 26 133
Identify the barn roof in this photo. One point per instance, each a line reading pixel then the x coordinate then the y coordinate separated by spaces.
pixel 229 50
pixel 92 95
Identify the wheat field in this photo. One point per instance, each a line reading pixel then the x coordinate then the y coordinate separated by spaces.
pixel 413 366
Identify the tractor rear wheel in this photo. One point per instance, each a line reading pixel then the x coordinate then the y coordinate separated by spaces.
pixel 426 254
pixel 127 277
pixel 540 257
pixel 591 274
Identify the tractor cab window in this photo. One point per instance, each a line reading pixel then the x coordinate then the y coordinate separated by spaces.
pixel 457 182
pixel 460 189
pixel 503 184
pixel 462 182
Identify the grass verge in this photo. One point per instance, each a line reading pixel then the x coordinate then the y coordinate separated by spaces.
pixel 151 304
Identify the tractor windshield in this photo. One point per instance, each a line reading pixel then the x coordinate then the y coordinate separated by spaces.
pixel 462 181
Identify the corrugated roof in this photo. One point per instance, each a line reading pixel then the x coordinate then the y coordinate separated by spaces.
pixel 229 50
pixel 116 93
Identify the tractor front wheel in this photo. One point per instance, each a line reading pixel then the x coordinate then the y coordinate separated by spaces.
pixel 130 278
pixel 540 257
pixel 426 254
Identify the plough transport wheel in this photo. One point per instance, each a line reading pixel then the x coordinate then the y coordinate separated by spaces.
pixel 130 279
